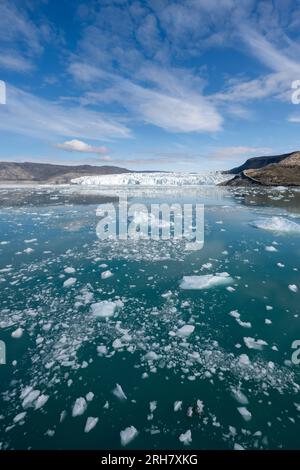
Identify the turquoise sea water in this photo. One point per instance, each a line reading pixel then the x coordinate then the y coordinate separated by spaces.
pixel 228 389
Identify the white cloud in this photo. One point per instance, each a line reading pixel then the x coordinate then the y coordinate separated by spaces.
pixel 171 99
pixel 80 146
pixel 232 153
pixel 27 114
pixel 13 61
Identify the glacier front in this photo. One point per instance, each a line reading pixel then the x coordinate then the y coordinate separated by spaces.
pixel 153 179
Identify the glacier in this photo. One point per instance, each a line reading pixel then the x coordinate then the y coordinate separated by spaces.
pixel 154 179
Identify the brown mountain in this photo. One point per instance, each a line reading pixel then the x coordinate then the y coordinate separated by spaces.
pixel 29 172
pixel 279 170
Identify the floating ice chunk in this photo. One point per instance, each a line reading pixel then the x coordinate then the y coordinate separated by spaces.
pixel 234 314
pixel 17 333
pixel 244 324
pixel 119 393
pixel 105 308
pixel 239 396
pixel 30 398
pixel 20 417
pixel 251 343
pixel 205 281
pixel 206 266
pixel 32 240
pixel 41 401
pixel 199 407
pixel 280 265
pixel 128 434
pixel 106 274
pixel 89 396
pixel 245 413
pixel 186 437
pixel 238 446
pixel 117 344
pixel 79 407
pixel 277 224
pixel 151 356
pixel 271 248
pixel 177 405
pixel 69 270
pixel 153 406
pixel 70 282
pixel 28 250
pixel 293 287
pixel 244 360
pixel 102 350
pixel 185 331
pixel 90 424
pixel 230 289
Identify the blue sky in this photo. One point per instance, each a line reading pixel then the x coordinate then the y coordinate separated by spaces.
pixel 156 84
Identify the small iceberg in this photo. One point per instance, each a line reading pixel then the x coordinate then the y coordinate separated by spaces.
pixel 277 224
pixel 205 281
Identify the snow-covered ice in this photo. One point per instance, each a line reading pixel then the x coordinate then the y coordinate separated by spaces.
pixel 277 224
pixel 128 434
pixel 206 281
pixel 79 407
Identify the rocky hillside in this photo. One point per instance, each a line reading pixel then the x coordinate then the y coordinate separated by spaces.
pixel 280 170
pixel 29 172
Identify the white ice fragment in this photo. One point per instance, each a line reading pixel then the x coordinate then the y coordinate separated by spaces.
pixel 69 282
pixel 105 308
pixel 177 405
pixel 239 396
pixel 89 396
pixel 102 350
pixel 128 434
pixel 153 406
pixel 20 417
pixel 119 393
pixel 251 343
pixel 271 248
pixel 244 360
pixel 185 331
pixel 17 333
pixel 186 437
pixel 30 398
pixel 90 424
pixel 293 287
pixel 238 446
pixel 28 250
pixel 151 356
pixel 205 281
pixel 69 270
pixel 234 314
pixel 277 224
pixel 106 274
pixel 79 407
pixel 245 413
pixel 41 401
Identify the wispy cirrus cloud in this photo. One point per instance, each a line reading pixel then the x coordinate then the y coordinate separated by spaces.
pixel 30 115
pixel 169 101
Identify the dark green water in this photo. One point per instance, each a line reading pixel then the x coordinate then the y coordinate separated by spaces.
pixel 56 355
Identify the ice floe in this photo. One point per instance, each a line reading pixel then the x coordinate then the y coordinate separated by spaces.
pixel 277 224
pixel 128 435
pixel 205 281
